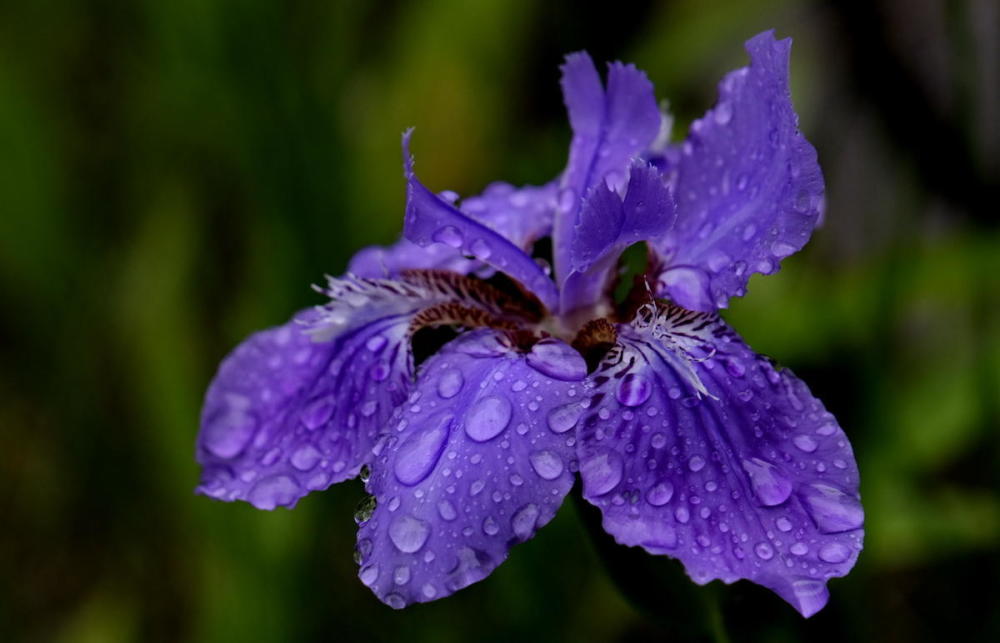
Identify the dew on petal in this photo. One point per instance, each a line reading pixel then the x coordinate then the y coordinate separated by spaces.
pixel 417 456
pixel 546 464
pixel 408 534
pixel 833 510
pixel 769 484
pixel 450 383
pixel 634 389
pixel 601 472
pixel 563 418
pixel 487 418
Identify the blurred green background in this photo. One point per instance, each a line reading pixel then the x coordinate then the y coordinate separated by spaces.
pixel 174 175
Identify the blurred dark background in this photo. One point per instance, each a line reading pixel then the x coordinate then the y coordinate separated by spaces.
pixel 174 175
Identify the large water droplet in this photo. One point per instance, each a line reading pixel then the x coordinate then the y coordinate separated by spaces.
pixel 723 112
pixel 450 383
pixel 660 493
pixel 805 443
pixel 688 287
pixel 317 412
pixel 408 534
pixel 696 463
pixel 490 526
pixel 420 452
pixel 563 418
pixel 834 553
pixel 558 360
pixel 368 575
pixel 273 492
pixel 634 389
pixel 601 472
pixel 833 510
pixel 447 510
pixel 365 509
pixel 780 249
pixel 227 433
pixel 546 464
pixel 448 235
pixel 480 250
pixel 523 522
pixel 763 551
pixel 487 418
pixel 305 457
pixel 769 484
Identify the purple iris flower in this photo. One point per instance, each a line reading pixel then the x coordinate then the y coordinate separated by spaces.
pixel 691 444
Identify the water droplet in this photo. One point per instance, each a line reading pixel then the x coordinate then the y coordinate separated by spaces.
pixel 395 601
pixel 749 232
pixel 660 493
pixel 523 522
pixel 417 456
pixel 696 463
pixel 490 526
pixel 741 181
pixel 763 551
pixel 365 473
pixel 558 360
pixel 368 575
pixel 227 433
pixel 601 472
pixel 429 591
pixel 274 491
pixel 448 235
pixel 634 389
pixel 480 250
pixel 563 418
pixel 402 575
pixel 450 383
pixel 658 441
pixel 688 287
pixel 682 515
pixel 316 413
pixel 769 484
pixel 833 510
pixel 487 418
pixel 783 524
pixel 306 457
pixel 546 464
pixel 447 510
pixel 408 534
pixel 718 261
pixel 780 249
pixel 365 509
pixel 376 343
pixel 567 199
pixel 834 553
pixel 723 112
pixel 805 443
pixel 380 371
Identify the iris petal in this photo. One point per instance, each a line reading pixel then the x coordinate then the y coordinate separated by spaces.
pixel 753 479
pixel 749 190
pixel 470 468
pixel 429 220
pixel 609 128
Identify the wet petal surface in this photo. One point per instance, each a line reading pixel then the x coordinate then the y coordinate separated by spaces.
pixel 471 466
pixel 753 479
pixel 286 415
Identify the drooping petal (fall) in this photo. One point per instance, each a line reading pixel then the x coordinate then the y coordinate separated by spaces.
pixel 478 458
pixel 695 447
